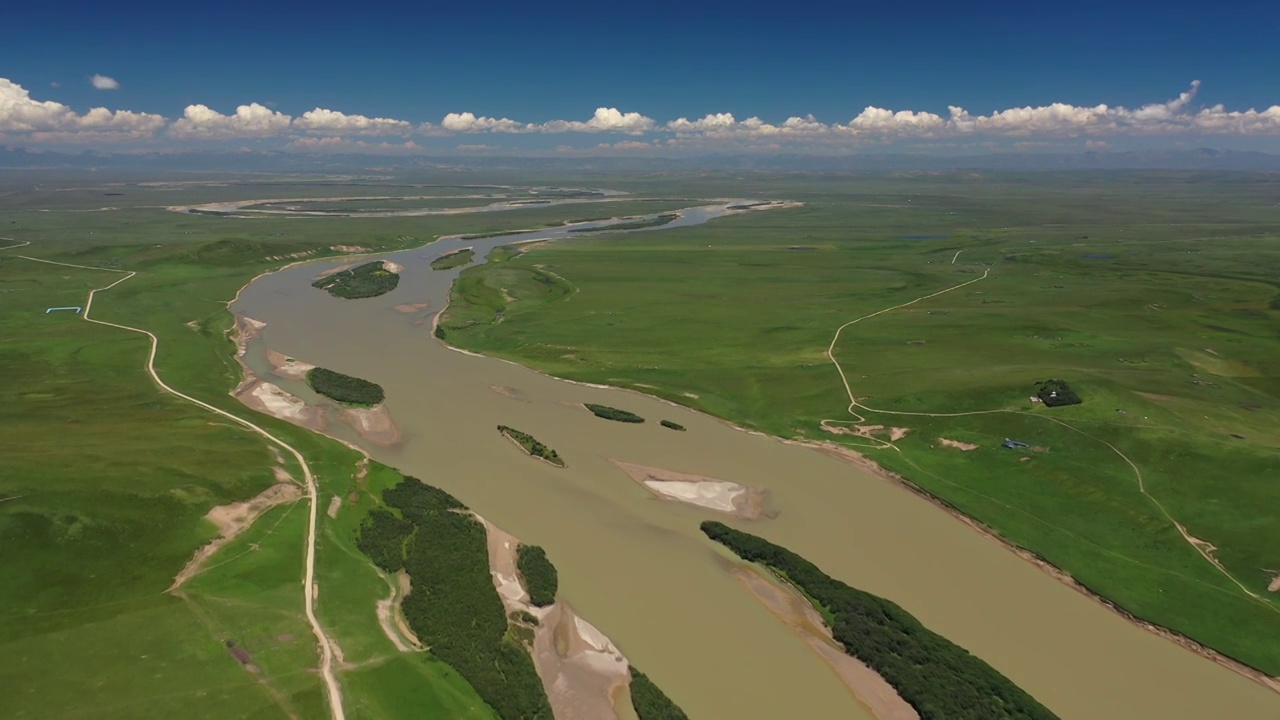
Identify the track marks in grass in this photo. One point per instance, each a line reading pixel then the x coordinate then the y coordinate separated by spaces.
pixel 1203 548
pixel 326 647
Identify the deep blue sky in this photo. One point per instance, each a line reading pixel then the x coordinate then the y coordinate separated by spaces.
pixel 665 59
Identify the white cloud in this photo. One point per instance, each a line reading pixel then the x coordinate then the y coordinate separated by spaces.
pixel 468 122
pixel 253 120
pixel 19 113
pixel 321 120
pixel 604 120
pixel 25 118
pixel 887 123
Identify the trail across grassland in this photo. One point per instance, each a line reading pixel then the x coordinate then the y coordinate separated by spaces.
pixel 309 586
pixel 1202 547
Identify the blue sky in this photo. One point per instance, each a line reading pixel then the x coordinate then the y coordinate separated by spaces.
pixel 663 60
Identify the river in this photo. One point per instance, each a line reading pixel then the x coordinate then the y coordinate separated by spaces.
pixel 639 569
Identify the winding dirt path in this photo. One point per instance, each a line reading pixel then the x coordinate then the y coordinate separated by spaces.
pixel 1200 546
pixel 309 584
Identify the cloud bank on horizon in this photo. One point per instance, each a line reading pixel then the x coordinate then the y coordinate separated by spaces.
pixel 28 121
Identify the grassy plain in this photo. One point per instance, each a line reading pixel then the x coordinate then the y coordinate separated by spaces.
pixel 107 480
pixel 1153 294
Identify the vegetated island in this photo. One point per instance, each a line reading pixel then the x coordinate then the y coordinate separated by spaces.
pixel 539 575
pixel 672 425
pixel 639 224
pixel 344 388
pixel 363 281
pixel 934 675
pixel 531 445
pixel 457 258
pixel 434 538
pixel 612 413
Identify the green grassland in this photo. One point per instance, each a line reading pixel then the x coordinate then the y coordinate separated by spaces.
pixel 1154 295
pixel 106 479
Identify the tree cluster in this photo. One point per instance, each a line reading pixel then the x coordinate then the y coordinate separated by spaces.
pixel 940 679
pixel 611 413
pixel 1055 393
pixel 539 575
pixel 650 702
pixel 366 281
pixel 453 606
pixel 344 388
pixel 672 424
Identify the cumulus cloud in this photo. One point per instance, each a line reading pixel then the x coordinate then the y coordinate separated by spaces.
pixel 23 117
pixel 725 125
pixel 253 120
pixel 50 121
pixel 321 120
pixel 604 120
pixel 468 122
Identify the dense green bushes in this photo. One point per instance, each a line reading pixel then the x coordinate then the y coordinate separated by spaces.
pixel 672 424
pixel 344 388
pixel 458 258
pixel 539 575
pixel 937 677
pixel 453 606
pixel 610 413
pixel 650 702
pixel 1055 393
pixel 365 281
pixel 531 445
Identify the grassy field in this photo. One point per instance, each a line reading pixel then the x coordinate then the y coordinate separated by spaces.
pixel 107 480
pixel 1153 294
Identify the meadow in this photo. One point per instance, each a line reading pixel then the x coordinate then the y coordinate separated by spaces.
pixel 1153 295
pixel 107 480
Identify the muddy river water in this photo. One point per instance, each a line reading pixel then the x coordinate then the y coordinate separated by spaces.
pixel 638 568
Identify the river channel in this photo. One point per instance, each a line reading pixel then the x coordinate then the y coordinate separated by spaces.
pixel 639 569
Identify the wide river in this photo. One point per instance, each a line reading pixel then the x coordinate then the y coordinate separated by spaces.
pixel 640 570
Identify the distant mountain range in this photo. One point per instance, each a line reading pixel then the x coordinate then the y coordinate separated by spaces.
pixel 274 162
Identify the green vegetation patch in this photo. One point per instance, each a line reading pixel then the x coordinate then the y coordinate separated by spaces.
pixel 937 677
pixel 639 224
pixel 453 607
pixel 650 702
pixel 612 413
pixel 458 258
pixel 1056 393
pixel 531 445
pixel 344 388
pixel 364 281
pixel 672 425
pixel 539 575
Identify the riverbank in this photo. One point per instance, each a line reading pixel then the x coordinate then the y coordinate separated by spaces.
pixel 584 674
